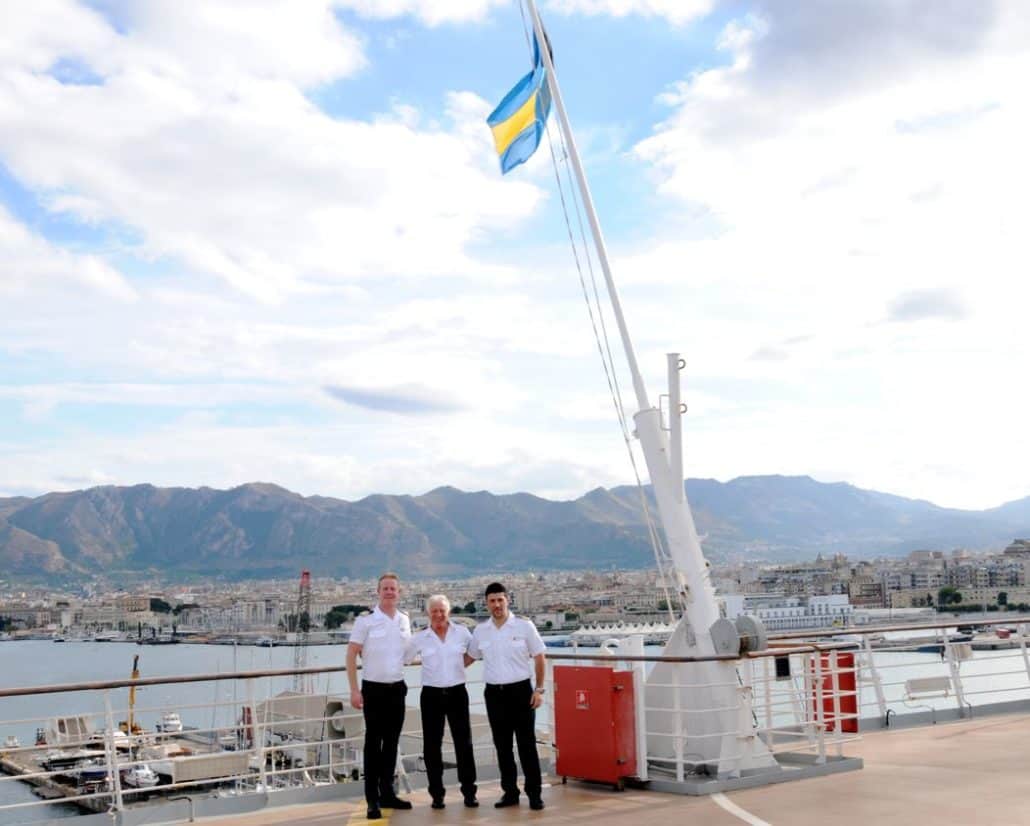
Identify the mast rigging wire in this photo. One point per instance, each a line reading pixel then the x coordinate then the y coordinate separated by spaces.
pixel 662 559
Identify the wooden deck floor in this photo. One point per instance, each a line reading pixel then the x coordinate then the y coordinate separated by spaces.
pixel 970 772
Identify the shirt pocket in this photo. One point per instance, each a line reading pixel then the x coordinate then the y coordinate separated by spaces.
pixel 378 632
pixel 520 647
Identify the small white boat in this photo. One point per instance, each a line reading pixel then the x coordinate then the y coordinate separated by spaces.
pixel 119 738
pixel 170 723
pixel 11 742
pixel 140 777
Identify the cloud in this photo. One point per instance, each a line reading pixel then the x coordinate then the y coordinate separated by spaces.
pixel 225 166
pixel 430 12
pixel 437 12
pixel 677 12
pixel 848 158
pixel 32 265
pixel 923 305
pixel 770 353
pixel 268 271
pixel 410 400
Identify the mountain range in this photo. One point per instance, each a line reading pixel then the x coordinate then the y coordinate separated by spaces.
pixel 262 530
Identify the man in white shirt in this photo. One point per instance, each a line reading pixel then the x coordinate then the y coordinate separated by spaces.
pixel 381 639
pixel 512 652
pixel 443 648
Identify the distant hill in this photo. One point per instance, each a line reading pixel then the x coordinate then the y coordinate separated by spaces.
pixel 262 530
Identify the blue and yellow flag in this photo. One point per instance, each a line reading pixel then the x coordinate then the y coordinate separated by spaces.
pixel 518 121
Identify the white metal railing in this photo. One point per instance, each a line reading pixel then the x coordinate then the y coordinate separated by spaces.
pixel 784 721
pixel 275 747
pixel 808 698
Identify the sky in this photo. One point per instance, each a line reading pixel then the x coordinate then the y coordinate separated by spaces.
pixel 270 241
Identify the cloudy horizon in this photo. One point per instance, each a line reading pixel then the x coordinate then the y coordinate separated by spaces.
pixel 271 242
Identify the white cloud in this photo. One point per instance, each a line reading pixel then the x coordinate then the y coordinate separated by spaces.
pixel 430 12
pixel 818 187
pixel 32 265
pixel 437 12
pixel 678 12
pixel 862 163
pixel 225 166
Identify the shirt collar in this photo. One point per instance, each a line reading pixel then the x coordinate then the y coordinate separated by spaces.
pixel 502 626
pixel 450 627
pixel 380 612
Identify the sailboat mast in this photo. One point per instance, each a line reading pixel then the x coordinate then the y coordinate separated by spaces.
pixel 588 204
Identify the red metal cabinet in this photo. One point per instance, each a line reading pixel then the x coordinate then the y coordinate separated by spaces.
pixel 843 683
pixel 595 732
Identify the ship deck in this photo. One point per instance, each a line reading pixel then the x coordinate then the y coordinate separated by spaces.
pixel 973 771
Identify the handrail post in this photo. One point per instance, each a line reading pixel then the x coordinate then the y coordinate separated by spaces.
pixel 804 711
pixel 881 700
pixel 259 737
pixel 956 674
pixel 1021 633
pixel 679 722
pixel 770 734
pixel 746 720
pixel 838 726
pixel 820 714
pixel 114 778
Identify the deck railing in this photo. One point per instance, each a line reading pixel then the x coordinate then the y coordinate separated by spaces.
pixel 808 697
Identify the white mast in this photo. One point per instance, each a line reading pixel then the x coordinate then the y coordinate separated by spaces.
pixel 666 473
pixel 713 731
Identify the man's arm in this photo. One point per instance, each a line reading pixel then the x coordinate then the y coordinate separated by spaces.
pixel 353 649
pixel 540 667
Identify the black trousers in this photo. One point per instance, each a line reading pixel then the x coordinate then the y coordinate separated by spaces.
pixel 384 717
pixel 452 704
pixel 509 712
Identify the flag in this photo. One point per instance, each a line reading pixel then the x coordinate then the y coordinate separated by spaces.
pixel 518 121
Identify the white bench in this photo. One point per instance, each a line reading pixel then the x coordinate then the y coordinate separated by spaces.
pixel 919 688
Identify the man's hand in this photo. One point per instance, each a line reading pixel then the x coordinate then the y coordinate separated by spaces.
pixel 356 700
pixel 536 700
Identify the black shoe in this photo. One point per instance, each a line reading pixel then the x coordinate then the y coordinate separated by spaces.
pixel 507 800
pixel 536 803
pixel 394 803
pixel 437 803
pixel 373 813
pixel 471 802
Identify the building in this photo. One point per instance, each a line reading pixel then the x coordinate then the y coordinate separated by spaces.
pixel 790 613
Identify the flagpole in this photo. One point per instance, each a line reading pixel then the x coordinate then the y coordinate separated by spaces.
pixel 719 736
pixel 588 204
pixel 689 565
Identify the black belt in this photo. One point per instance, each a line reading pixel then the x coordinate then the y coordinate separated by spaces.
pixel 443 689
pixel 384 685
pixel 508 686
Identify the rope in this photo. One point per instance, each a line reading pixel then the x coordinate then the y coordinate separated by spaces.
pixel 602 340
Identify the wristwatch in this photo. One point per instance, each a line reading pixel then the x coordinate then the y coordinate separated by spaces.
pixel 540 690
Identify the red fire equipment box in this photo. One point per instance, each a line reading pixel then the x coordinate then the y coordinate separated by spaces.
pixel 595 732
pixel 843 683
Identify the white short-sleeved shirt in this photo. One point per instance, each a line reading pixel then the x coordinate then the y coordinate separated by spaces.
pixel 382 642
pixel 443 661
pixel 507 652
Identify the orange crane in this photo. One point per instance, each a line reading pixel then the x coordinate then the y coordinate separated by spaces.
pixel 302 619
